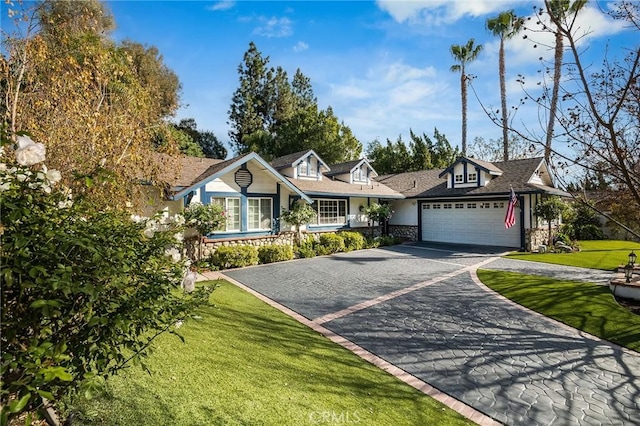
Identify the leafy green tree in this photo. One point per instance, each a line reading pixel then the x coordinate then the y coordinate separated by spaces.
pixel 169 135
pixel 161 82
pixel 275 117
pixel 504 26
pixel 549 209
pixel 210 145
pixel 493 150
pixel 464 54
pixel 204 219
pixel 422 154
pixel 73 87
pixel 379 213
pixel 300 214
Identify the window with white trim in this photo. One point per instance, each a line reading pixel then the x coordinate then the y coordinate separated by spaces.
pixel 360 174
pixel 232 212
pixel 259 214
pixel 472 177
pixel 447 205
pixel 307 167
pixel 498 205
pixel 331 212
pixel 459 178
pixel 459 205
pixel 471 205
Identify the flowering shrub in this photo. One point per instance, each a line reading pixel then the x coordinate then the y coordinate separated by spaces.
pixel 84 291
pixel 205 219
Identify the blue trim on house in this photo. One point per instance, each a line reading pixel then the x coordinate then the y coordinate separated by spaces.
pixel 465 177
pixel 275 205
pixel 236 234
pixel 329 227
pixel 243 160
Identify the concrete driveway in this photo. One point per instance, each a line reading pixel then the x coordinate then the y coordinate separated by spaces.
pixel 424 311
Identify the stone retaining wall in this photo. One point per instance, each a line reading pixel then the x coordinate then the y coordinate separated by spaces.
pixel 406 232
pixel 536 237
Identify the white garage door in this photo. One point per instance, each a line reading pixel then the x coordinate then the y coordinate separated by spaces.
pixel 479 223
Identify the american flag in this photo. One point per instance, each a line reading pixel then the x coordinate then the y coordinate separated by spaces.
pixel 510 218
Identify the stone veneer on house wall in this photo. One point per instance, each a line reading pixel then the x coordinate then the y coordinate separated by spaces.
pixel 406 232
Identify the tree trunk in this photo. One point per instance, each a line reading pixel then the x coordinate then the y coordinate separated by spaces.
pixel 463 87
pixel 553 106
pixel 550 237
pixel 503 101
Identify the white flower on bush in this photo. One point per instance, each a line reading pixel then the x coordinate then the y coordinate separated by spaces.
pixel 53 176
pixel 174 254
pixel 29 152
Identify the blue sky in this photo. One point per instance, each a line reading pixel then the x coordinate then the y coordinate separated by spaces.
pixel 383 66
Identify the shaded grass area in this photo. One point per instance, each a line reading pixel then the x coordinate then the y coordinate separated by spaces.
pixel 245 363
pixel 588 307
pixel 600 254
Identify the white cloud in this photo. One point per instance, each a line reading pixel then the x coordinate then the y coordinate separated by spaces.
pixel 274 27
pixel 300 46
pixel 222 5
pixel 389 99
pixel 440 11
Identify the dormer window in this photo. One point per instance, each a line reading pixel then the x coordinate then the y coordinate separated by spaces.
pixel 459 178
pixel 307 168
pixel 472 177
pixel 360 174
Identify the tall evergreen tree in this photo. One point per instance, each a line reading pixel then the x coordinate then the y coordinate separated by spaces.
pixel 464 54
pixel 249 106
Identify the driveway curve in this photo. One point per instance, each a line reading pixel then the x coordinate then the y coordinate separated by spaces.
pixel 425 312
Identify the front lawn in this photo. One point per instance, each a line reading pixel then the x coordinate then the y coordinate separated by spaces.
pixel 585 306
pixel 598 254
pixel 246 363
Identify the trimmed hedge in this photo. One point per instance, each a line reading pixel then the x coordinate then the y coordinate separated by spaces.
pixel 305 248
pixel 227 257
pixel 275 253
pixel 329 244
pixel 352 240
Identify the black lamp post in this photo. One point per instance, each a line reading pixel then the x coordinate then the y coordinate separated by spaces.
pixel 632 258
pixel 628 272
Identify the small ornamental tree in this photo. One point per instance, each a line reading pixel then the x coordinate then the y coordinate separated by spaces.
pixel 379 213
pixel 300 214
pixel 84 291
pixel 204 219
pixel 549 209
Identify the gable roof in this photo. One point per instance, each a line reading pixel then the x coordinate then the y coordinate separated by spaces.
pixel 220 168
pixel 347 167
pixel 429 183
pixel 291 160
pixel 490 168
pixel 328 187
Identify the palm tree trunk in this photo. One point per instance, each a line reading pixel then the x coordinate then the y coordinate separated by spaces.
pixel 463 86
pixel 553 106
pixel 503 101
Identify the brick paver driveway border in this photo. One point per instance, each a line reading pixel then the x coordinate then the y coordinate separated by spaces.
pixel 423 316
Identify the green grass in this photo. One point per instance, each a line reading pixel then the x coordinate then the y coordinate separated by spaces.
pixel 600 254
pixel 585 306
pixel 245 363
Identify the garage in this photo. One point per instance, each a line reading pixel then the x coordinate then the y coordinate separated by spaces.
pixel 469 222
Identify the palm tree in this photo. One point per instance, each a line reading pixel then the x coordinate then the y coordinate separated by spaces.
pixel 558 11
pixel 464 54
pixel 505 26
